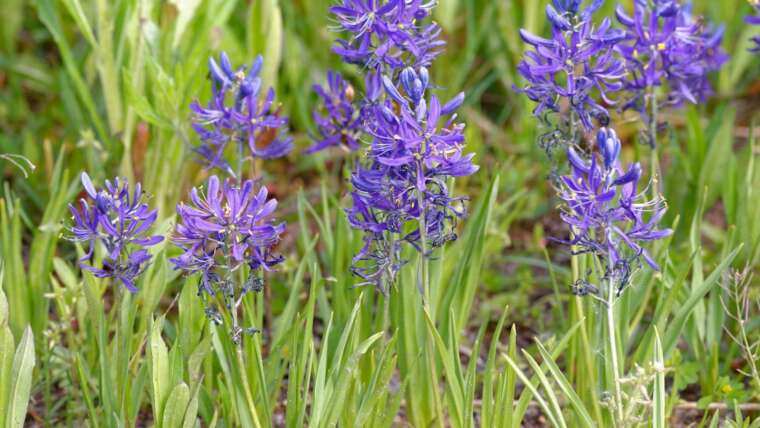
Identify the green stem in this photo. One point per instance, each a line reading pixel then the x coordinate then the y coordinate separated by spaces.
pixel 386 311
pixel 424 275
pixel 246 385
pixel 240 160
pixel 586 347
pixel 573 126
pixel 653 118
pixel 612 336
pixel 654 109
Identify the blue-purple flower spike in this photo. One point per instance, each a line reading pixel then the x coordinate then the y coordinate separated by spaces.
pixel 227 227
pixel 605 211
pixel 239 116
pixel 119 221
pixel 400 192
pixel 574 65
pixel 223 230
pixel 417 146
pixel 666 45
pixel 385 35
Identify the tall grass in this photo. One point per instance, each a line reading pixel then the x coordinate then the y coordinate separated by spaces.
pixel 104 86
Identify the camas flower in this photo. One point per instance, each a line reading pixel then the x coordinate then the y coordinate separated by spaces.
pixel 221 232
pixel 386 34
pixel 342 124
pixel 607 214
pixel 237 116
pixel 417 145
pixel 575 64
pixel 119 221
pixel 665 44
pixel 227 227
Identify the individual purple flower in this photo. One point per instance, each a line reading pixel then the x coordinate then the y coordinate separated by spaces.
pixel 607 214
pixel 386 34
pixel 119 221
pixel 341 126
pixel 577 64
pixel 417 145
pixel 238 117
pixel 754 20
pixel 666 45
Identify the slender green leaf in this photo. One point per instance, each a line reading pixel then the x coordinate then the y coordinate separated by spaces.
pixel 21 381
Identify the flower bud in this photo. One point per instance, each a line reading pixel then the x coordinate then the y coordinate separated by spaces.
pixel 609 146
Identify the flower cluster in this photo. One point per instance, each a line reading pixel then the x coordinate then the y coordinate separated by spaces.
pixel 583 68
pixel 387 34
pixel 237 116
pixel 607 214
pixel 119 221
pixel 342 124
pixel 574 65
pixel 402 194
pixel 665 44
pixel 754 20
pixel 223 231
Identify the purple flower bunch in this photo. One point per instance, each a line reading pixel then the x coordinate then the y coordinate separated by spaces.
pixel 387 34
pixel 607 214
pixel 227 232
pixel 585 68
pixel 342 125
pixel 119 221
pixel 383 37
pixel 754 20
pixel 238 117
pixel 401 191
pixel 577 64
pixel 578 73
pixel 665 44
pixel 402 195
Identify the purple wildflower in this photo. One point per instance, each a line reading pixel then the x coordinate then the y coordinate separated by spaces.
pixel 221 232
pixel 665 44
pixel 577 62
pixel 342 125
pixel 607 214
pixel 386 35
pixel 417 145
pixel 237 114
pixel 119 221
pixel 227 227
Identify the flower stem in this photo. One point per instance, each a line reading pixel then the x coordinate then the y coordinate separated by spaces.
pixel 612 336
pixel 653 118
pixel 423 273
pixel 386 311
pixel 654 110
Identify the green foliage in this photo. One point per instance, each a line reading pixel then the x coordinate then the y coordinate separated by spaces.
pixel 15 369
pixel 105 86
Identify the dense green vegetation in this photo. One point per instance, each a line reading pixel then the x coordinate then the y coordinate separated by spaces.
pixel 105 87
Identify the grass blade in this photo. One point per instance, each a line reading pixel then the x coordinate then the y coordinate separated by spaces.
pixel 21 381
